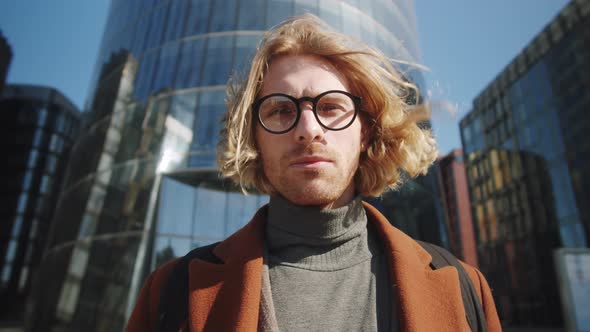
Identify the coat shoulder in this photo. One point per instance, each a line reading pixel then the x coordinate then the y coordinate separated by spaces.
pixel 145 313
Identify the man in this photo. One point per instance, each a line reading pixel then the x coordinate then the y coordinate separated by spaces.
pixel 320 121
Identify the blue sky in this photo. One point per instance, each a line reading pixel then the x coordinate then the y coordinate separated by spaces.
pixel 465 44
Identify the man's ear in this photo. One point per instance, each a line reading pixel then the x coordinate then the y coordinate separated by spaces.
pixel 367 125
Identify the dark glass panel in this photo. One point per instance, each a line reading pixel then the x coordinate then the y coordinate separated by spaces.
pixel 208 122
pixel 169 247
pixel 143 81
pixel 176 18
pixel 218 61
pixel 223 16
pixel 189 69
pixel 210 209
pixel 245 49
pixel 183 108
pixel 141 32
pixel 251 19
pixel 175 210
pixel 156 28
pixel 166 67
pixel 198 19
pixel 277 11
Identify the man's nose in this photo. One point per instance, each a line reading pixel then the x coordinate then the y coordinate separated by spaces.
pixel 308 128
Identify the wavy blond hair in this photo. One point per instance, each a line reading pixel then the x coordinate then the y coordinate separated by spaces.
pixel 397 144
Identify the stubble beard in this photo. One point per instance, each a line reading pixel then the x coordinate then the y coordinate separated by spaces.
pixel 318 187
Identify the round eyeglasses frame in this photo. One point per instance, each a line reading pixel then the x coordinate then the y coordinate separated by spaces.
pixel 297 101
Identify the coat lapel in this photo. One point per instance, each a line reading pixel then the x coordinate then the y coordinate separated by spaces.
pixel 424 304
pixel 226 297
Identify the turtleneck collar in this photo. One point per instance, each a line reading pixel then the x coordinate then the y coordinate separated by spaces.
pixel 314 238
pixel 311 221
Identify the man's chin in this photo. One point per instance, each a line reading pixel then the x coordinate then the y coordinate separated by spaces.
pixel 324 195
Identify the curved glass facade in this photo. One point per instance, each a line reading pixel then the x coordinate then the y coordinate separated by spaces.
pixel 143 185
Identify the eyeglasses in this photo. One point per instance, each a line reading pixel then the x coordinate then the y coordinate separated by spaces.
pixel 334 110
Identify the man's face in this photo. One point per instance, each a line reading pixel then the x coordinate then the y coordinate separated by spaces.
pixel 309 165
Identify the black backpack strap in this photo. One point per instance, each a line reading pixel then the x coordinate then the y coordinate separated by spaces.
pixel 473 308
pixel 173 306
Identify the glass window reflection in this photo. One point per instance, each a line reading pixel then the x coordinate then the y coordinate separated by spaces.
pixel 166 67
pixel 218 62
pixel 222 17
pixel 175 213
pixel 176 17
pixel 245 48
pixel 189 69
pixel 183 107
pixel 210 213
pixel 277 11
pixel 198 18
pixel 249 19
pixel 156 28
pixel 170 247
pixel 208 123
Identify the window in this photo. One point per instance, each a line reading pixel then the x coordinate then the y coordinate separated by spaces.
pixel 166 67
pixel 6 273
pixel 189 69
pixel 176 18
pixel 11 251
pixel 198 19
pixel 33 156
pixel 22 203
pixel 175 213
pixel 45 186
pixel 156 28
pixel 183 107
pixel 277 10
pixel 222 17
pixel 42 118
pixel 245 49
pixel 248 19
pixel 37 138
pixel 16 226
pixel 24 274
pixel 218 62
pixel 140 33
pixel 144 76
pixel 27 179
pixel 210 213
pixel 208 122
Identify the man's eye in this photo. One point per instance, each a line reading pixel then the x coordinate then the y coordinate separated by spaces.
pixel 327 109
pixel 279 112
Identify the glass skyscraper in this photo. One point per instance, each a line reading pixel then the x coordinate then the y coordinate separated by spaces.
pixel 5 58
pixel 526 157
pixel 36 134
pixel 143 185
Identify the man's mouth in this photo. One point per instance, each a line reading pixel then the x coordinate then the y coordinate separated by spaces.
pixel 310 162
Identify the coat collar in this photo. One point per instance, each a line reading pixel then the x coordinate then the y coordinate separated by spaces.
pixel 226 296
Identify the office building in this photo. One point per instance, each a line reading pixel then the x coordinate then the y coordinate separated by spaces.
pixel 526 157
pixel 5 58
pixel 143 184
pixel 457 206
pixel 36 134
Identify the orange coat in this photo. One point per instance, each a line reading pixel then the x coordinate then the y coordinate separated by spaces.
pixel 226 297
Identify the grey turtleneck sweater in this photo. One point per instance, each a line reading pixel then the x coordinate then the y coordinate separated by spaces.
pixel 326 270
